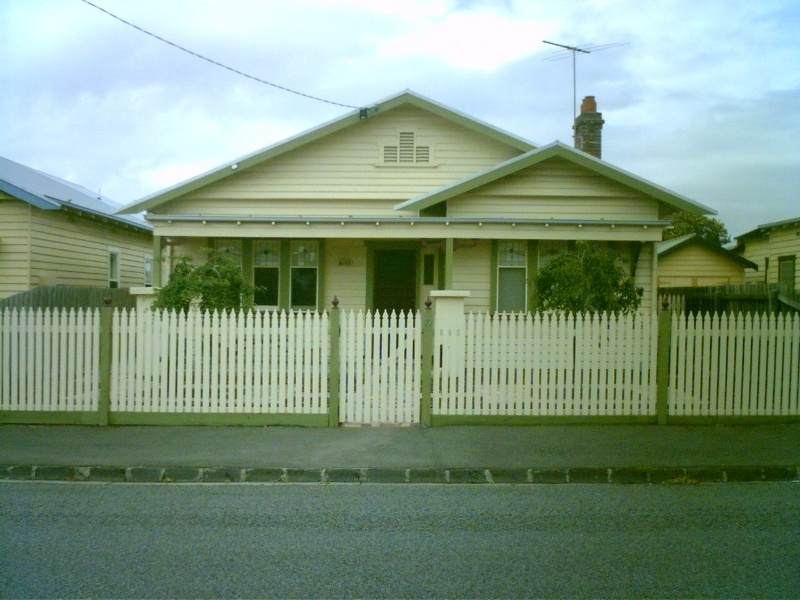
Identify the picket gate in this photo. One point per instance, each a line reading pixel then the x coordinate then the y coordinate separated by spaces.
pixel 380 368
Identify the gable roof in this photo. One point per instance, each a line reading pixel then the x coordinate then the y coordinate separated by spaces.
pixel 47 192
pixel 538 155
pixel 667 247
pixel 350 119
pixel 766 227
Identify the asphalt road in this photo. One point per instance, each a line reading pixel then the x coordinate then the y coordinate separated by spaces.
pixel 170 540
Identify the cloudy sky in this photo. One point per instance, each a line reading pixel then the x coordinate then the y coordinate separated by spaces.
pixel 700 96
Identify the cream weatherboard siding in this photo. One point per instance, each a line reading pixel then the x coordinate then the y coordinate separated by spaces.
pixel 345 274
pixel 472 271
pixel 779 242
pixel 695 266
pixel 342 174
pixel 560 190
pixel 15 269
pixel 69 250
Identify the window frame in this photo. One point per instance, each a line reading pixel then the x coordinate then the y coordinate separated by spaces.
pixel 114 267
pixel 520 248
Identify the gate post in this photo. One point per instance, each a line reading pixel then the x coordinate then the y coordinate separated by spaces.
pixel 426 357
pixel 448 336
pixel 662 364
pixel 333 366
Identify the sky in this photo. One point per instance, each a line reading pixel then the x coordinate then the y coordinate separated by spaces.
pixel 699 96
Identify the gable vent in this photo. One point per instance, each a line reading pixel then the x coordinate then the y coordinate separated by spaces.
pixel 406 151
pixel 406 147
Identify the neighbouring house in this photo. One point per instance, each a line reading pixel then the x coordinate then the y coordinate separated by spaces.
pixel 692 261
pixel 53 232
pixel 775 248
pixel 388 203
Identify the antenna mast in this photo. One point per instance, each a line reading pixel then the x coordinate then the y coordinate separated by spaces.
pixel 573 50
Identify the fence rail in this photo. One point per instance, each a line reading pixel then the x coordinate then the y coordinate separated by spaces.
pixel 118 366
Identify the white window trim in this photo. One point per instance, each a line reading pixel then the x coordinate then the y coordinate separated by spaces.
pixel 114 264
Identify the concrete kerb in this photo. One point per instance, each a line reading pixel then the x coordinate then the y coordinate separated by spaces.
pixel 455 476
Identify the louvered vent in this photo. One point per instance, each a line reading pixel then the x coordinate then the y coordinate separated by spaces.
pixel 406 151
pixel 390 154
pixel 406 147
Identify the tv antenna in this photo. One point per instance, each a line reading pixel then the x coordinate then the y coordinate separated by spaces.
pixel 573 50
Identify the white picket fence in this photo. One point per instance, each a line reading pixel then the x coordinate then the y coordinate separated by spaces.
pixel 501 365
pixel 735 365
pixel 546 365
pixel 380 360
pixel 49 359
pixel 205 362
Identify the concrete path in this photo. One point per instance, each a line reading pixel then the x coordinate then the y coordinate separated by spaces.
pixel 640 453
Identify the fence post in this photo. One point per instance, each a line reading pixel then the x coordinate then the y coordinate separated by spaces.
pixel 427 364
pixel 662 364
pixel 334 365
pixel 104 383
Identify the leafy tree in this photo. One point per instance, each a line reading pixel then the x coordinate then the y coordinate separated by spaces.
pixel 711 230
pixel 587 279
pixel 217 284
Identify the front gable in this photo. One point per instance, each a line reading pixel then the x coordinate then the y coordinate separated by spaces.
pixel 556 189
pixel 574 183
pixel 340 160
pixel 360 170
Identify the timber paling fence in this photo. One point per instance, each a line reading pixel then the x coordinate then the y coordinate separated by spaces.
pixel 112 366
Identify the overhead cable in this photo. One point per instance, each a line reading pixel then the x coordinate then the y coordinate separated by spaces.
pixel 214 62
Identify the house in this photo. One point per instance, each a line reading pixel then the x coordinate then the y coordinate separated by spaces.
pixel 388 203
pixel 53 232
pixel 692 261
pixel 775 247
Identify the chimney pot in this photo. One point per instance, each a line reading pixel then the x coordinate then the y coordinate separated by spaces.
pixel 588 105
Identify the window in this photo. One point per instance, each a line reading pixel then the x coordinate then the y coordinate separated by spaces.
pixel 549 249
pixel 113 268
pixel 266 273
pixel 232 248
pixel 148 270
pixel 786 271
pixel 406 151
pixel 303 280
pixel 512 276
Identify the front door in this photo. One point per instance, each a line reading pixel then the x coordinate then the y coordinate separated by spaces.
pixel 395 280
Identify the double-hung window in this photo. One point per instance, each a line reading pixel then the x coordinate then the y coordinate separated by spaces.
pixel 266 273
pixel 512 276
pixel 113 267
pixel 148 270
pixel 304 275
pixel 786 266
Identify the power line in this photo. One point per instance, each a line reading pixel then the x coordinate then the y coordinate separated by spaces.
pixel 214 62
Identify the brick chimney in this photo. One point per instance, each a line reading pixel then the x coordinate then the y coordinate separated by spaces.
pixel 589 128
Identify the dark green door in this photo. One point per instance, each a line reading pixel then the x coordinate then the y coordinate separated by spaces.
pixel 395 280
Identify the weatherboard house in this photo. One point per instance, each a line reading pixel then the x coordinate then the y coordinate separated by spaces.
pixel 56 233
pixel 385 205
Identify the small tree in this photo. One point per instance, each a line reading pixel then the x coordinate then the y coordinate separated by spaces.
pixel 587 279
pixel 217 284
pixel 711 230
